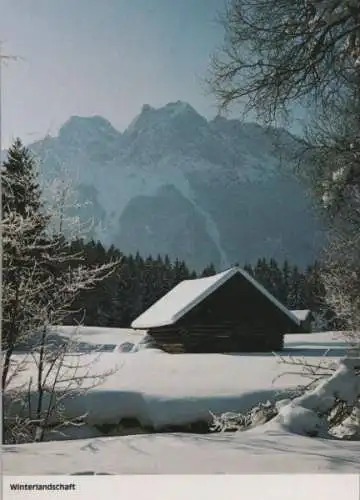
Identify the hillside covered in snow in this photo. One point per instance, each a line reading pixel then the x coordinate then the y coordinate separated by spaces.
pixel 220 191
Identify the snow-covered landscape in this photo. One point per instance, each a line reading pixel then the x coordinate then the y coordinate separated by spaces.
pixel 160 390
pixel 180 234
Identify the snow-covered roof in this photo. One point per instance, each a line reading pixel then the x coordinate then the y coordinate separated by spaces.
pixel 301 314
pixel 189 293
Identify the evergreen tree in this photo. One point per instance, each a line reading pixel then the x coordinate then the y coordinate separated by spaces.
pixel 20 189
pixel 121 305
pixel 23 232
pixel 262 274
pixel 208 271
pixel 275 279
pixel 21 199
pixel 248 268
pixel 285 285
pixel 296 296
pixel 180 272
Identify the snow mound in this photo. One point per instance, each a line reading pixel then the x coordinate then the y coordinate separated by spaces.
pixel 306 415
pixel 100 339
pixel 299 420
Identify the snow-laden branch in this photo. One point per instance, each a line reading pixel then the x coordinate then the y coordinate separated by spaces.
pixel 42 278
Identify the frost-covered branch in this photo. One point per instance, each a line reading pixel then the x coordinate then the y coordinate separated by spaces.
pixel 42 278
pixel 279 52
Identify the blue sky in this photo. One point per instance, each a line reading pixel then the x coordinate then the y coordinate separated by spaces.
pixel 107 57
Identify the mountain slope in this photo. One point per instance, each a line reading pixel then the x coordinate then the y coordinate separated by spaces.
pixel 173 182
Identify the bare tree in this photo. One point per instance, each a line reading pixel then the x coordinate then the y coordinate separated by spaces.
pixel 333 139
pixel 42 278
pixel 279 52
pixel 61 198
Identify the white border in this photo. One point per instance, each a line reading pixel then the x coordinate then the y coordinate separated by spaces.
pixel 211 487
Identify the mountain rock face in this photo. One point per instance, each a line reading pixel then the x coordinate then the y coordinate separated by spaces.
pixel 219 191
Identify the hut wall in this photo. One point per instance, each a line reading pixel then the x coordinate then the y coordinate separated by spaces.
pixel 216 339
pixel 307 324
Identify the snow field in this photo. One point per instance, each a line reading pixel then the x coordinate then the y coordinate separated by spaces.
pixel 164 389
pixel 268 449
pixel 161 390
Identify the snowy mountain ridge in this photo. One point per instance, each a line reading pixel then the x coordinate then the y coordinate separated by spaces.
pixel 220 191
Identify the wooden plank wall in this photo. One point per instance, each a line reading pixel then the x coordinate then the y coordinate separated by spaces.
pixel 215 339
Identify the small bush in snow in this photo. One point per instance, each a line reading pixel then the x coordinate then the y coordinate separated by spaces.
pixel 331 409
pixel 231 422
pixel 349 428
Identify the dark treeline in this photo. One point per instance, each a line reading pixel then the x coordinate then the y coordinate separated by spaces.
pixel 296 288
pixel 140 282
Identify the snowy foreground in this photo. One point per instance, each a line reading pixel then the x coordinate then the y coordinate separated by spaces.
pixel 266 449
pixel 160 390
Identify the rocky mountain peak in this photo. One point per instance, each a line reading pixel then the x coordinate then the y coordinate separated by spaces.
pixel 83 129
pixel 174 183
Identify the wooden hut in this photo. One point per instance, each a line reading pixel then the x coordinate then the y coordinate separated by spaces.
pixel 227 312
